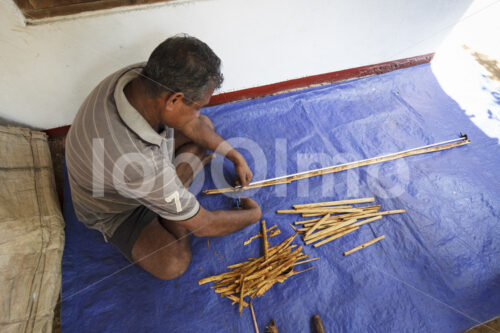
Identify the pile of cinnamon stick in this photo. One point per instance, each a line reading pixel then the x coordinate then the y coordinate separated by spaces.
pixel 257 275
pixel 335 219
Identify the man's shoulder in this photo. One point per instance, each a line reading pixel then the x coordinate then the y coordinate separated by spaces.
pixel 113 77
pixel 99 109
pixel 105 88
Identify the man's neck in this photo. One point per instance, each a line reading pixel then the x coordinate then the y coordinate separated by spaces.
pixel 137 97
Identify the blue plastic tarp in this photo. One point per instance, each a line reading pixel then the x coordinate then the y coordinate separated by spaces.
pixel 437 270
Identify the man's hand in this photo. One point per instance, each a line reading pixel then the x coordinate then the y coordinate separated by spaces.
pixel 223 222
pixel 243 172
pixel 204 135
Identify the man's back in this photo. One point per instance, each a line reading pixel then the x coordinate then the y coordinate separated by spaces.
pixel 108 144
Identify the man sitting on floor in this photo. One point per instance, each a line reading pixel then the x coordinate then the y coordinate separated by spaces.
pixel 120 151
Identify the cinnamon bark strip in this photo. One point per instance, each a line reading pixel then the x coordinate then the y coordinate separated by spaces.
pixel 264 237
pixel 328 223
pixel 339 218
pixel 236 300
pixel 360 223
pixel 214 278
pixel 371 214
pixel 313 210
pixel 330 230
pixel 334 203
pixel 332 211
pixel 241 292
pixel 272 233
pixel 314 227
pixel 362 246
pixel 304 261
pixel 230 288
pixel 334 237
pixel 248 241
pixel 265 288
pixel 339 209
pixel 366 210
pixel 258 274
pixel 387 212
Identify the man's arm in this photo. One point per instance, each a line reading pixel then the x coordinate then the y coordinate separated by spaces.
pixel 223 222
pixel 203 135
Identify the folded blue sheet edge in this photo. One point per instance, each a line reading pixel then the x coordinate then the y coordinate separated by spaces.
pixel 437 270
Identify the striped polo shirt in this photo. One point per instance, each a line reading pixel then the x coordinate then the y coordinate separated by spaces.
pixel 116 162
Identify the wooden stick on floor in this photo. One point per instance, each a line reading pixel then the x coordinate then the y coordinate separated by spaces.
pixel 362 246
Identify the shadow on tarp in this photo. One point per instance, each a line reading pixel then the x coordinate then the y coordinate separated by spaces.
pixel 437 270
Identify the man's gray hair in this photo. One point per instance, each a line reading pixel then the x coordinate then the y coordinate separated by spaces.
pixel 182 64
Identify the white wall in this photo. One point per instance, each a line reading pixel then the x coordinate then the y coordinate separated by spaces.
pixel 47 70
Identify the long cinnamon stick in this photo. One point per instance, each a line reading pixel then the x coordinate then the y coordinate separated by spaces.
pixel 334 203
pixel 342 167
pixel 340 209
pixel 323 212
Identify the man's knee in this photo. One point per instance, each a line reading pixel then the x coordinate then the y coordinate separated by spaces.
pixel 207 121
pixel 175 266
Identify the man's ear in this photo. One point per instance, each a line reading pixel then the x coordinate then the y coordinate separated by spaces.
pixel 175 98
